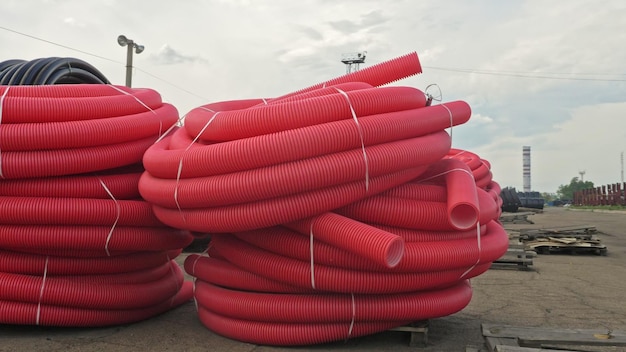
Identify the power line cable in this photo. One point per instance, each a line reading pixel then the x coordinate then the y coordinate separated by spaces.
pixel 533 72
pixel 173 85
pixel 103 58
pixel 60 45
pixel 519 74
pixel 542 75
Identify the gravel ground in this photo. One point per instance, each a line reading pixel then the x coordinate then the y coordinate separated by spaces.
pixel 563 291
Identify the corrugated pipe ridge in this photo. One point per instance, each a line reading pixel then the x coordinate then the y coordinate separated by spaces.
pixel 335 211
pixel 78 245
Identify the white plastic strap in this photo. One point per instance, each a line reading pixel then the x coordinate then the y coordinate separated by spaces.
pixel 167 132
pixel 180 162
pixel 195 300
pixel 193 266
pixel 479 251
pixel 461 152
pixel 171 264
pixel 451 119
pixel 117 219
pixel 353 316
pixel 161 134
pixel 6 91
pixel 312 261
pixel 447 172
pixel 358 126
pixel 137 99
pixel 264 101
pixel 169 261
pixel 43 286
pixel 180 170
pixel 193 273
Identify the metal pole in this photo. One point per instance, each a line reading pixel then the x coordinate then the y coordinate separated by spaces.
pixel 129 63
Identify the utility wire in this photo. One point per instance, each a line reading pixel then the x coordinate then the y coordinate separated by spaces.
pixel 541 75
pixel 519 74
pixel 103 58
pixel 60 45
pixel 173 85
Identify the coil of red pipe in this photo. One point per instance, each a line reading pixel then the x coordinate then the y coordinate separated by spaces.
pixel 78 245
pixel 335 211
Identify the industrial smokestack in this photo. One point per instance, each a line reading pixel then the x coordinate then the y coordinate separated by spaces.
pixel 526 167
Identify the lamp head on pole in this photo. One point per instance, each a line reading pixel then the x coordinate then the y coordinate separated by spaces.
pixel 122 40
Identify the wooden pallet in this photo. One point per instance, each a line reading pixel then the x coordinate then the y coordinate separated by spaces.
pixel 567 245
pixel 516 218
pixel 504 338
pixel 515 258
pixel 418 333
pixel 581 232
pixel 565 239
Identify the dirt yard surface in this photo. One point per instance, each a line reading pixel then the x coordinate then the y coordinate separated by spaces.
pixel 563 291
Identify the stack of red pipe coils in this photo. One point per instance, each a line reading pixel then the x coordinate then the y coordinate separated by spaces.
pixel 336 211
pixel 78 245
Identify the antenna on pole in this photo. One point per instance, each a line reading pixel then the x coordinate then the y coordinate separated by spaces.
pixel 355 59
pixel 622 161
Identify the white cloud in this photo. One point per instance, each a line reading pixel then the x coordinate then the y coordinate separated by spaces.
pixel 481 119
pixel 73 22
pixel 169 56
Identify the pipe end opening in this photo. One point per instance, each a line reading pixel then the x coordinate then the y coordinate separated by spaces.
pixel 464 216
pixel 395 252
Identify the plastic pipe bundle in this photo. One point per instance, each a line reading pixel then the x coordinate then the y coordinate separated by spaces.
pixel 336 211
pixel 78 246
pixel 49 70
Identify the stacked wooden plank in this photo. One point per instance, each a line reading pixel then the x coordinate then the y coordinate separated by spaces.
pixel 516 257
pixel 504 338
pixel 570 239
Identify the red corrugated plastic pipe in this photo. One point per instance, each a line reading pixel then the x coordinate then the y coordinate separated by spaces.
pixel 76 211
pixel 461 197
pixel 89 237
pixel 309 319
pixel 58 162
pixel 223 273
pixel 379 246
pixel 275 211
pixel 121 186
pixel 295 177
pixel 80 133
pixel 377 75
pixel 45 104
pixel 82 250
pixel 423 256
pixel 164 159
pixel 332 308
pixel 265 119
pixel 48 315
pixel 57 291
pixel 35 264
pixel 289 334
pixel 332 279
pixel 277 260
pixel 414 213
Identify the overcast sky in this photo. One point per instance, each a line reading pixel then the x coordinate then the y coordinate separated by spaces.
pixel 547 74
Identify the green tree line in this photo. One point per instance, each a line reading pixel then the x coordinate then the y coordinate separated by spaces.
pixel 566 192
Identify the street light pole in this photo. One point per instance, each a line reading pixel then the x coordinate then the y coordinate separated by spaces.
pixel 129 63
pixel 130 44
